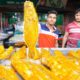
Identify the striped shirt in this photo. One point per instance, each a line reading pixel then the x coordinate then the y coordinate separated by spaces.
pixel 47 39
pixel 74 34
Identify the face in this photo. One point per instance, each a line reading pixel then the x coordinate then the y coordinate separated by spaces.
pixel 77 17
pixel 51 19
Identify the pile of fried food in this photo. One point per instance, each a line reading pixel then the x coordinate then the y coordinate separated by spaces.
pixel 33 64
pixel 45 66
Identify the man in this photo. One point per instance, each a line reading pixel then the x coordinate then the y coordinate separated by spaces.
pixel 48 34
pixel 72 32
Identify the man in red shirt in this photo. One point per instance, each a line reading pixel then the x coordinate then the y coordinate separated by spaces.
pixel 48 33
pixel 72 32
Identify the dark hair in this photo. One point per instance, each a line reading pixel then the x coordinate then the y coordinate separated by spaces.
pixel 78 10
pixel 52 12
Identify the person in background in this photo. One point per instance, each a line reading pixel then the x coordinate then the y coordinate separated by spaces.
pixel 48 33
pixel 13 28
pixel 10 31
pixel 72 32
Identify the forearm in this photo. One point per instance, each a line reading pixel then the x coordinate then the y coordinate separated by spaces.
pixel 64 41
pixel 56 44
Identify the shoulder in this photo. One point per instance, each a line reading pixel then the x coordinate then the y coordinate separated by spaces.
pixel 42 25
pixel 70 24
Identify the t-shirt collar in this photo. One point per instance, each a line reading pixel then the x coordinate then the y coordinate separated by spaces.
pixel 76 23
pixel 53 27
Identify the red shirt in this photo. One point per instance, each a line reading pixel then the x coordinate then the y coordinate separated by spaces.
pixel 47 39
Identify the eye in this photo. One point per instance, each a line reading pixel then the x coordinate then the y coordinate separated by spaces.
pixel 54 17
pixel 50 17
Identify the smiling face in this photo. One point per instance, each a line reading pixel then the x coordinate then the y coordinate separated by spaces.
pixel 51 19
pixel 77 17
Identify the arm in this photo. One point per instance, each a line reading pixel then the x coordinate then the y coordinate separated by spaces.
pixel 39 27
pixel 39 30
pixel 65 39
pixel 56 43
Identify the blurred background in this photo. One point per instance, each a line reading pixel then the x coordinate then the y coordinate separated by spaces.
pixel 11 16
